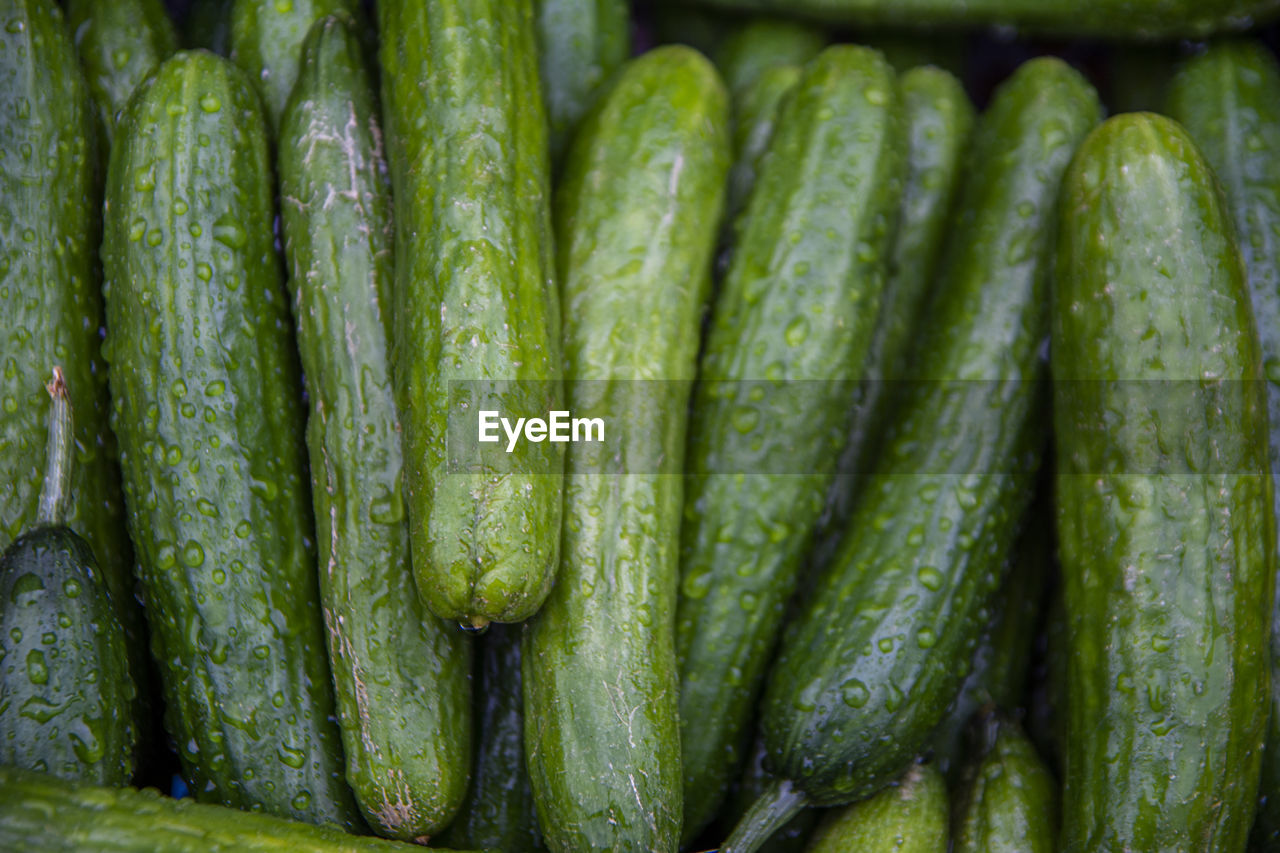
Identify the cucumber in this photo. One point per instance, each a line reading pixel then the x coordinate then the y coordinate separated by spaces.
pixel 208 25
pixel 759 44
pixel 207 409
pixel 476 299
pixel 1008 802
pixel 756 112
pixel 909 817
pixel 40 814
pixel 68 695
pixel 498 813
pixel 755 780
pixel 637 214
pixel 879 649
pixel 119 42
pixel 266 41
pixel 1135 19
pixel 581 43
pixel 790 331
pixel 407 769
pixel 1228 99
pixel 1168 555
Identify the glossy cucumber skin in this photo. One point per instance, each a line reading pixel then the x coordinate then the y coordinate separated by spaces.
pixel 266 41
pixel 386 650
pixel 600 676
pixel 927 542
pixel 1009 800
pixel 476 297
pixel 790 329
pixel 581 44
pixel 498 812
pixel 755 781
pixel 207 408
pixel 908 817
pixel 119 43
pixel 1167 562
pixel 763 43
pixel 1228 99
pixel 40 814
pixel 755 118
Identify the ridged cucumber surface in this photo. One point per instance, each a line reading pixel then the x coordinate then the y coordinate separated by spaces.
pixel 1008 802
pixel 207 407
pixel 1166 527
pixel 755 118
pixel 908 817
pixel 790 330
pixel 637 214
pixel 759 44
pixel 386 650
pixel 477 305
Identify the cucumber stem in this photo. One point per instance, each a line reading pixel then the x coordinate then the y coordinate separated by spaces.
pixel 55 495
pixel 780 802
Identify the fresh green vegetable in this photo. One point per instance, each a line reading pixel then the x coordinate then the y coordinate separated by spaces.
pixel 1166 527
pixel 407 768
pixel 758 44
pixel 790 332
pixel 755 780
pixel 909 817
pixel 120 42
pixel 756 114
pixel 209 416
pixel 208 25
pixel 66 693
pixel 476 301
pixel 637 214
pixel 1228 99
pixel 1008 802
pixel 881 647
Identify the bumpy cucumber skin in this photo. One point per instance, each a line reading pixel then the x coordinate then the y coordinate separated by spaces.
pixel 880 648
pixel 476 296
pixel 1167 564
pixel 1009 801
pixel 266 41
pixel 207 407
pixel 208 25
pixel 793 319
pixel 41 814
pixel 120 43
pixel 581 44
pixel 387 651
pixel 50 302
pixel 498 813
pixel 761 44
pixel 909 817
pixel 1228 99
pixel 601 684
pixel 755 117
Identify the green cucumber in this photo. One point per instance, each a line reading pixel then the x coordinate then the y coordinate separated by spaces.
pixel 1166 527
pixel 1008 801
pixel 266 41
pixel 207 408
pixel 208 25
pixel 756 112
pixel 755 780
pixel 759 44
pixel 40 814
pixel 637 214
pixel 881 646
pixel 120 43
pixel 476 300
pixel 790 331
pixel 581 43
pixel 67 693
pixel 909 817
pixel 1228 99
pixel 498 813
pixel 407 769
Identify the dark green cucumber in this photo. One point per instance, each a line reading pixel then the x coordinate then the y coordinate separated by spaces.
pixel 41 814
pixel 387 651
pixel 120 43
pixel 266 41
pixel 476 299
pixel 637 214
pixel 908 817
pixel 790 331
pixel 760 44
pixel 755 780
pixel 50 301
pixel 581 44
pixel 208 411
pixel 1228 99
pixel 208 25
pixel 498 813
pixel 881 646
pixel 1008 802
pixel 756 112
pixel 1166 528
pixel 66 693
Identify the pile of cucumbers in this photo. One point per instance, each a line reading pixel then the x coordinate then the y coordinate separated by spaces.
pixel 933 505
